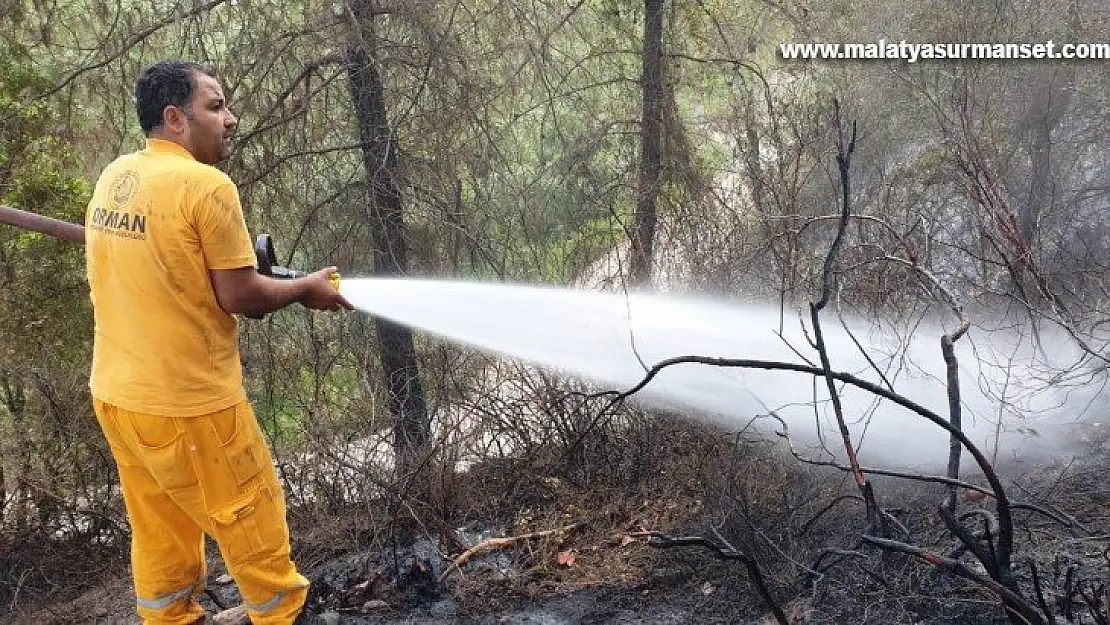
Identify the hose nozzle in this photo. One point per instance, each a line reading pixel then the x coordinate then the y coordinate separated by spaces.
pixel 267 260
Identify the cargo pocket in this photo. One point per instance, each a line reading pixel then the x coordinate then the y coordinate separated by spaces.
pixel 247 527
pixel 242 447
pixel 248 518
pixel 161 447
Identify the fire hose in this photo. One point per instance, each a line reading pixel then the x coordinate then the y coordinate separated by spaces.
pixel 64 230
pixel 75 233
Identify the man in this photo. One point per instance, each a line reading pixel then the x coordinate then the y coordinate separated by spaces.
pixel 169 264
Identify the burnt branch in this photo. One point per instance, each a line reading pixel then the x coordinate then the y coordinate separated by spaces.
pixel 1002 500
pixel 1096 603
pixel 955 409
pixel 836 554
pixel 916 477
pixel 875 519
pixel 1016 606
pixel 724 550
pixel 1039 590
pixel 823 511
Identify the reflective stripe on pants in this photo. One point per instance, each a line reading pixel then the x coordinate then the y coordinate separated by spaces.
pixel 168 599
pixel 183 477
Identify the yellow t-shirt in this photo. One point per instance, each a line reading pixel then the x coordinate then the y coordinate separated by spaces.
pixel 157 222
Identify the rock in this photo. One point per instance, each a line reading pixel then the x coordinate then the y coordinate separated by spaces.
pixel 223 580
pixel 234 616
pixel 375 604
pixel 667 575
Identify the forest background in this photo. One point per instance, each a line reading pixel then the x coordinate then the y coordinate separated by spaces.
pixel 600 144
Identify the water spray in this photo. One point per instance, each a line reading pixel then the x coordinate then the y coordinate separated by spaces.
pixel 612 340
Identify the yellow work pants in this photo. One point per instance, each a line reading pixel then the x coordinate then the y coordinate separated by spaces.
pixel 183 477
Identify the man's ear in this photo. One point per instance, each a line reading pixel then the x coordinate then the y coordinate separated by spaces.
pixel 174 119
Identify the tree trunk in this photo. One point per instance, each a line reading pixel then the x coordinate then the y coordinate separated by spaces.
pixel 1045 114
pixel 15 402
pixel 1050 103
pixel 411 434
pixel 651 131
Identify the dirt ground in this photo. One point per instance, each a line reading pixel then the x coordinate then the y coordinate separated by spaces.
pixel 684 591
pixel 600 570
pixel 644 586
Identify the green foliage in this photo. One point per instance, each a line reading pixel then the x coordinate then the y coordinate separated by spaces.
pixel 570 257
pixel 43 310
pixel 286 410
pixel 47 440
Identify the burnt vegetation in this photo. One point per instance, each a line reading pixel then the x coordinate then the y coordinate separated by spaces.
pixel 605 145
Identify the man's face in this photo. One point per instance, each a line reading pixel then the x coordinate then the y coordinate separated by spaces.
pixel 210 122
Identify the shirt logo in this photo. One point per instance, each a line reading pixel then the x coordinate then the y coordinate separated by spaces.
pixel 115 221
pixel 123 190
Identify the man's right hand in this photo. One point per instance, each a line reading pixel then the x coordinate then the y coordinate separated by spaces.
pixel 320 293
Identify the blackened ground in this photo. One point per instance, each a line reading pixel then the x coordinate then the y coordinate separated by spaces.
pixel 602 572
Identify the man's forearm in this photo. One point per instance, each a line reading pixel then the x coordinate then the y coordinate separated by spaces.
pixel 244 291
pixel 271 295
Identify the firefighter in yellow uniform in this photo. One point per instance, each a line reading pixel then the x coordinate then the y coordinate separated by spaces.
pixel 170 263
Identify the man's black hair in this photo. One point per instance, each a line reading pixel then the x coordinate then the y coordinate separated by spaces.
pixel 162 84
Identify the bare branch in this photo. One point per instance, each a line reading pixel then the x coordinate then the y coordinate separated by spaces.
pixel 500 543
pixel 724 550
pixel 1014 603
pixel 132 41
pixel 1005 518
pixel 955 408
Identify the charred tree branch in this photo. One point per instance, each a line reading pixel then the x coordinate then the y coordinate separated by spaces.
pixel 724 550
pixel 1015 604
pixel 875 520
